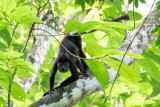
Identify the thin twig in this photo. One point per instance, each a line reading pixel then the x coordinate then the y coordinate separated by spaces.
pixel 30 32
pixel 7 19
pixel 32 4
pixel 42 8
pixel 29 35
pixel 9 91
pixel 68 50
pixel 128 49
pixel 53 28
pixel 97 98
pixel 12 35
pixel 155 99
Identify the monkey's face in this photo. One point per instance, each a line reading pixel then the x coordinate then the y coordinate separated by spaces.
pixel 63 66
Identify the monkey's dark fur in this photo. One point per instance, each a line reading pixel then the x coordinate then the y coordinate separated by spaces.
pixel 65 60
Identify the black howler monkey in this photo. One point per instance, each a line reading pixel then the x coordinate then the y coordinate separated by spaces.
pixel 65 60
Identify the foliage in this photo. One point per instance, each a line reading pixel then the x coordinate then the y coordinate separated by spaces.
pixel 138 84
pixel 9 61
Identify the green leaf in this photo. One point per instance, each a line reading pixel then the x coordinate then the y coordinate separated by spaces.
pixel 2 46
pixel 27 68
pixel 3 24
pixel 138 16
pixel 11 54
pixel 5 76
pixel 29 19
pixel 146 88
pixel 72 25
pixel 20 12
pixel 136 3
pixel 117 25
pixel 150 68
pixel 134 55
pixel 17 62
pixel 5 36
pixel 38 95
pixel 99 70
pixel 94 25
pixel 130 1
pixel 107 12
pixel 17 92
pixel 23 73
pixel 2 101
pixel 117 4
pixel 152 56
pixel 158 40
pixel 129 74
pixel 118 89
pixel 149 101
pixel 3 56
pixel 80 3
pixel 142 1
pixel 7 5
pixel 87 26
pixel 134 99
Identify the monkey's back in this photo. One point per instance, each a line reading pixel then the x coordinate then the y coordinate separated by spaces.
pixel 69 43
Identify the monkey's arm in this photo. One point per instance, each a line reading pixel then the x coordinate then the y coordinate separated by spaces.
pixel 52 79
pixel 72 78
pixel 79 65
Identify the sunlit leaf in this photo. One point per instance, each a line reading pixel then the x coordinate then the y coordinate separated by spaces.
pixel 146 88
pixel 7 5
pixel 72 25
pixel 99 70
pixel 117 4
pixel 29 19
pixel 11 54
pixel 134 99
pixel 17 92
pixel 23 73
pixel 150 68
pixel 5 76
pixel 20 12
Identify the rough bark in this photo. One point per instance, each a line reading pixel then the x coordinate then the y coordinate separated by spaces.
pixel 40 46
pixel 86 86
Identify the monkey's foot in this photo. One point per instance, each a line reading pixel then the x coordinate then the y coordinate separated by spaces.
pixel 49 92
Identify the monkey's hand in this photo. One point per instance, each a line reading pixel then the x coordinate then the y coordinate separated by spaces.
pixel 49 92
pixel 60 89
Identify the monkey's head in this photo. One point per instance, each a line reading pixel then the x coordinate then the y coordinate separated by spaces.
pixel 63 63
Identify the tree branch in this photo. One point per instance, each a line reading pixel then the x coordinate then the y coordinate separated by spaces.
pixel 39 49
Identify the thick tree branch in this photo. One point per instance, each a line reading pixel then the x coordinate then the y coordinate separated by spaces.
pixel 143 39
pixel 86 86
pixel 40 46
